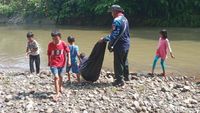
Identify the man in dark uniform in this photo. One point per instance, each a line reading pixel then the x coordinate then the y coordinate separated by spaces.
pixel 119 43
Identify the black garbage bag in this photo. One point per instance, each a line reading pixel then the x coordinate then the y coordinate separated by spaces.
pixel 91 68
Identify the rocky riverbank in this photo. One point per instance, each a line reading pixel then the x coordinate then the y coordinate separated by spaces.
pixel 22 92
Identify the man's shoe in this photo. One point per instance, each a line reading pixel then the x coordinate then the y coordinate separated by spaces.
pixel 118 83
pixel 127 78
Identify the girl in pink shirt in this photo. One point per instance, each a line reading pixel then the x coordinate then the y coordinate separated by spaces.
pixel 163 47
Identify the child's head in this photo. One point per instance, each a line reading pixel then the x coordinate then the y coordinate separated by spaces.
pixel 71 39
pixel 163 33
pixel 30 36
pixel 56 36
pixel 82 55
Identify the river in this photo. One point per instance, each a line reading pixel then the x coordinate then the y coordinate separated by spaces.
pixel 185 43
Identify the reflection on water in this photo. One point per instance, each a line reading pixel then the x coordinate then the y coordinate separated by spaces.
pixel 185 43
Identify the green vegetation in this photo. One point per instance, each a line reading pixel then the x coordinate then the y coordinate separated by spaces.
pixel 94 12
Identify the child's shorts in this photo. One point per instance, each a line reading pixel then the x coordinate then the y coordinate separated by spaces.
pixel 74 68
pixel 57 71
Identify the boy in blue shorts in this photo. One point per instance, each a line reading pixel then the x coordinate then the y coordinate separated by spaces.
pixel 74 55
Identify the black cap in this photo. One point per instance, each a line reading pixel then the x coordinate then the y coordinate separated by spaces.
pixel 115 8
pixel 55 33
pixel 29 34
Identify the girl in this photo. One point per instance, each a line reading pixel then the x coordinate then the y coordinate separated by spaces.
pixel 161 52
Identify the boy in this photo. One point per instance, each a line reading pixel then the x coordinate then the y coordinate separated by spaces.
pixel 57 52
pixel 83 58
pixel 74 54
pixel 32 51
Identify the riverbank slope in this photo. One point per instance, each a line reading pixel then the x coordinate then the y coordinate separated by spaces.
pixel 22 92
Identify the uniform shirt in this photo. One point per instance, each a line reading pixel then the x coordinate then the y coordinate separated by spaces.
pixel 57 54
pixel 118 26
pixel 73 53
pixel 163 47
pixel 32 46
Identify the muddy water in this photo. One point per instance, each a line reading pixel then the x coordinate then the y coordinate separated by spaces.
pixel 185 43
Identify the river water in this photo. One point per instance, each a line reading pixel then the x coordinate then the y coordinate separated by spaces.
pixel 185 43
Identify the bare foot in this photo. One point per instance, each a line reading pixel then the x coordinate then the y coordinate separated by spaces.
pixel 61 90
pixel 56 97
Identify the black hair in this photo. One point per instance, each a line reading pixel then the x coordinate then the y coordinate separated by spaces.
pixel 164 33
pixel 70 39
pixel 55 33
pixel 29 34
pixel 82 55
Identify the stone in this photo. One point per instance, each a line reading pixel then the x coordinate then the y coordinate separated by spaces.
pixel 135 96
pixel 29 106
pixel 177 86
pixel 98 111
pixel 165 89
pixel 9 97
pixel 9 103
pixel 85 111
pixel 49 110
pixel 185 89
pixel 190 101
pixel 44 96
pixel 137 106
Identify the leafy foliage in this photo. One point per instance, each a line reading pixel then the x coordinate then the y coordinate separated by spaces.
pixel 139 12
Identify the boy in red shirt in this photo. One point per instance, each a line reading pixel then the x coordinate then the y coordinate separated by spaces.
pixel 57 53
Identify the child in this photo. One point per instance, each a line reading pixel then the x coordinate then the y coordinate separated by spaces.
pixel 32 51
pixel 74 53
pixel 57 52
pixel 161 52
pixel 83 59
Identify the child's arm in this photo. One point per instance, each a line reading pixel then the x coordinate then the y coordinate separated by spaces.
pixel 27 51
pixel 68 54
pixel 49 55
pixel 170 50
pixel 69 59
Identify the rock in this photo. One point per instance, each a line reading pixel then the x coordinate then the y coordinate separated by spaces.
pixel 32 92
pixel 185 89
pixel 137 106
pixel 135 96
pixel 190 101
pixel 29 106
pixel 98 111
pixel 190 106
pixel 178 86
pixel 43 96
pixel 134 78
pixel 9 103
pixel 144 109
pixel 8 98
pixel 104 98
pixel 175 95
pixel 85 111
pixel 49 110
pixel 165 89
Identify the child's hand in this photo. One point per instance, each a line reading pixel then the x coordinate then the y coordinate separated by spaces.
pixel 172 56
pixel 69 64
pixel 27 54
pixel 101 39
